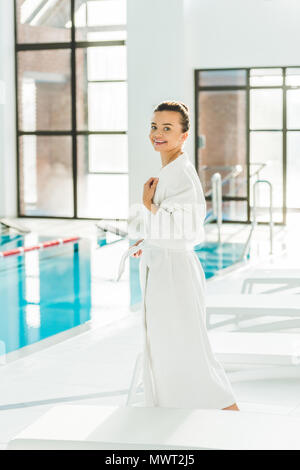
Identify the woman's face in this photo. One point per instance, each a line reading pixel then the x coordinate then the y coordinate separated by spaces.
pixel 166 131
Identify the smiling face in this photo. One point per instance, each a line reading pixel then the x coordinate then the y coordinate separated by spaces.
pixel 166 131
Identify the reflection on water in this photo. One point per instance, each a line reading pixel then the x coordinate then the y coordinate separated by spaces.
pixel 47 292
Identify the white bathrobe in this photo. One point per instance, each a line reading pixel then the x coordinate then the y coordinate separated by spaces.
pixel 179 366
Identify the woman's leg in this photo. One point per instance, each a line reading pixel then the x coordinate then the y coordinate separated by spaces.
pixel 232 407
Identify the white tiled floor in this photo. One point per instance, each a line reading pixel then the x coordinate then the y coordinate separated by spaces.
pixel 97 365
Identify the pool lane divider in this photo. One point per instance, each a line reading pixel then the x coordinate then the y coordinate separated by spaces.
pixel 48 244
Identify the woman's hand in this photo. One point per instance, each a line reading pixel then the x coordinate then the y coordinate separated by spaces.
pixel 149 190
pixel 139 252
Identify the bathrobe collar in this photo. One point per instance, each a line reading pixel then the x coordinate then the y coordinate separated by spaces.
pixel 181 158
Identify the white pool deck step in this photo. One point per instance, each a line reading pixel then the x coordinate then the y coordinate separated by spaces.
pixel 82 427
pixel 253 304
pixel 281 278
pixel 290 273
pixel 256 348
pixel 245 356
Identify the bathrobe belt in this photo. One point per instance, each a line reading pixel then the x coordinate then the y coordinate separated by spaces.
pixel 148 245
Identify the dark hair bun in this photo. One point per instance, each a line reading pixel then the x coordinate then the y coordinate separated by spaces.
pixel 179 107
pixel 184 105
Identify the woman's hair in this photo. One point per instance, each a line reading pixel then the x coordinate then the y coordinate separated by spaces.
pixel 180 108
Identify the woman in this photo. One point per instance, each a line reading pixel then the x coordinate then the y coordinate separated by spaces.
pixel 179 369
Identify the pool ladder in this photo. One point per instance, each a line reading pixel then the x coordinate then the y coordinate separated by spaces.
pixel 6 224
pixel 216 181
pixel 254 221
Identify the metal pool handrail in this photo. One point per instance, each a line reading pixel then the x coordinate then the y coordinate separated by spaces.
pixel 217 201
pixel 254 221
pixel 216 193
pixel 19 228
pixel 112 229
pixel 261 167
pixel 236 170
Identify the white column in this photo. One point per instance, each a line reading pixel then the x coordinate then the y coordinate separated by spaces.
pixel 156 72
pixel 8 179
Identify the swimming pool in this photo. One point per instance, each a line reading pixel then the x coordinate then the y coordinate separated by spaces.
pixel 213 257
pixel 43 293
pixel 8 241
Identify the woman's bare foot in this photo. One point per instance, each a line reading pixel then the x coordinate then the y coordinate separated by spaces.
pixel 232 407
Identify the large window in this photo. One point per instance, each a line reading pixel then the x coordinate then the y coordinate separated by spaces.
pixel 248 120
pixel 72 108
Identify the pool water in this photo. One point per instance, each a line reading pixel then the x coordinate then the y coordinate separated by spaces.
pixel 213 258
pixel 8 242
pixel 46 292
pixel 43 293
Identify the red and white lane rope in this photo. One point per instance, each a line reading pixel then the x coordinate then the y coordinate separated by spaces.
pixel 48 244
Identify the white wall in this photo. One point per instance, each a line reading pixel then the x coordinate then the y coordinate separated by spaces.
pixel 233 33
pixel 239 33
pixel 8 197
pixel 169 39
pixel 156 72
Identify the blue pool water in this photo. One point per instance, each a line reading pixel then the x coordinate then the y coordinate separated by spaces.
pixel 212 256
pixel 47 292
pixel 8 242
pixel 43 293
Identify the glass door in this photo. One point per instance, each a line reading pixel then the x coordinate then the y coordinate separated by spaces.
pixel 266 128
pixel 292 86
pixel 222 138
pixel 248 128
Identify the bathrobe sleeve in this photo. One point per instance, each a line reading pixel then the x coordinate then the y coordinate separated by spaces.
pixel 181 213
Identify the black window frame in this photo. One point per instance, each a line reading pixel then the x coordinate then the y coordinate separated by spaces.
pixel 72 46
pixel 247 87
